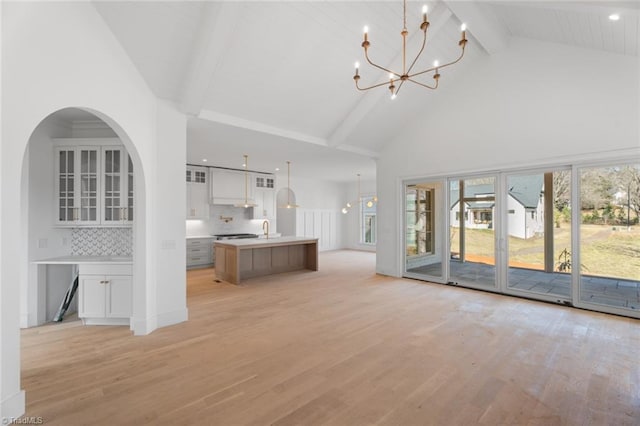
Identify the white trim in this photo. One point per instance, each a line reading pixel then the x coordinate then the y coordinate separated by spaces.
pixel 12 407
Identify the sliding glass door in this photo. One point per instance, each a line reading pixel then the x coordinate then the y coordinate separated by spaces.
pixel 538 234
pixel 423 241
pixel 609 238
pixel 472 259
pixel 567 235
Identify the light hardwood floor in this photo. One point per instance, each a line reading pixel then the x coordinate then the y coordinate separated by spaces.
pixel 341 346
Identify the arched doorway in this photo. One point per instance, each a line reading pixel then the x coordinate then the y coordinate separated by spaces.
pixel 286 218
pixel 39 211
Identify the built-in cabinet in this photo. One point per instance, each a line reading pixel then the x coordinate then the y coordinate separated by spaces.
pixel 105 293
pixel 197 192
pixel 94 183
pixel 265 197
pixel 200 252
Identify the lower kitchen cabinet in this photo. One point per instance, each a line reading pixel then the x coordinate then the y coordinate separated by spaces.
pixel 199 252
pixel 105 294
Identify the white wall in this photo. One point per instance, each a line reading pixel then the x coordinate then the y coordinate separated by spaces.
pixel 532 104
pixel 59 55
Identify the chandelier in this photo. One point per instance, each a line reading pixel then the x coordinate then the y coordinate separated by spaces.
pixel 407 73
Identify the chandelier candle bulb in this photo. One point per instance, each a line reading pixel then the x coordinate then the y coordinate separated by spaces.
pixel 424 13
pixel 366 33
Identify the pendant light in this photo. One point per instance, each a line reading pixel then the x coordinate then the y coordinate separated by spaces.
pixel 369 203
pixel 246 203
pixel 289 205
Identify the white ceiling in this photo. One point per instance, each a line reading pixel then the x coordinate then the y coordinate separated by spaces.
pixel 274 79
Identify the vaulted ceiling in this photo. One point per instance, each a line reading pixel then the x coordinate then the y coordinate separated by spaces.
pixel 274 79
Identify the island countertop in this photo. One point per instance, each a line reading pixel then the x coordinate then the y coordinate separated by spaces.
pixel 265 242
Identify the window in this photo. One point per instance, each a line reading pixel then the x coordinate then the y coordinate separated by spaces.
pixel 368 221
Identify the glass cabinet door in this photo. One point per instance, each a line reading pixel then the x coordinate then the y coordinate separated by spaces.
pixel 88 185
pixel 117 186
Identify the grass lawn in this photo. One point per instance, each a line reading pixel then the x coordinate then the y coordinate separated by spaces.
pixel 604 251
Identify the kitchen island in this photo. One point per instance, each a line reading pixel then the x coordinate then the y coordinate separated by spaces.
pixel 237 260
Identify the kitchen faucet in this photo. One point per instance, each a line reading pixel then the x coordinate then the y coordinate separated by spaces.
pixel 266 232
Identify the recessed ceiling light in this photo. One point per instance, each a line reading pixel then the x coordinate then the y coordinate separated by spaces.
pixel 277 169
pixel 614 17
pixel 204 160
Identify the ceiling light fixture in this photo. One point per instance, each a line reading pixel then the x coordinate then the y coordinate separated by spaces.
pixel 289 205
pixel 407 73
pixel 614 17
pixel 369 202
pixel 246 203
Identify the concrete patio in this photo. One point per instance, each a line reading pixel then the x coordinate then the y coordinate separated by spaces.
pixel 607 291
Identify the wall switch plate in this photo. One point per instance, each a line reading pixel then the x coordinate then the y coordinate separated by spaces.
pixel 43 243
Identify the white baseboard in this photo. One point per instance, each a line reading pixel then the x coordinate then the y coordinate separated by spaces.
pixel 12 408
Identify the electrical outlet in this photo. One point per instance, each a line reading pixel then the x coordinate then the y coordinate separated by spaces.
pixel 43 243
pixel 65 241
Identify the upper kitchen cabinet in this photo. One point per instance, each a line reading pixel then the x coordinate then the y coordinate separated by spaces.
pixel 265 196
pixel 93 183
pixel 230 187
pixel 117 186
pixel 197 192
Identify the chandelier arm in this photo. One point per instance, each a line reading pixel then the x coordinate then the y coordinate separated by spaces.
pixel 424 43
pixel 439 67
pixel 424 85
pixel 362 89
pixel 399 87
pixel 366 55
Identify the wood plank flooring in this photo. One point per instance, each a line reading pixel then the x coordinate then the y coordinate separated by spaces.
pixel 341 346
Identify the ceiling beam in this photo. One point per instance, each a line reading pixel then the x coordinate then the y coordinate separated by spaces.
pixel 219 22
pixel 485 27
pixel 369 100
pixel 231 120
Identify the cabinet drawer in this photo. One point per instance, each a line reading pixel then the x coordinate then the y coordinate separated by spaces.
pixel 105 269
pixel 198 242
pixel 199 251
pixel 198 260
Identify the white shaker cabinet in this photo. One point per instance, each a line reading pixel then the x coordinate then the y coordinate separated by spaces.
pixel 197 192
pixel 105 294
pixel 265 197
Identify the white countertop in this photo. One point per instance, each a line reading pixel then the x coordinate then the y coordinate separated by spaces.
pixel 77 260
pixel 265 242
pixel 197 237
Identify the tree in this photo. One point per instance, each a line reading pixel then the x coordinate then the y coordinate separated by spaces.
pixel 561 189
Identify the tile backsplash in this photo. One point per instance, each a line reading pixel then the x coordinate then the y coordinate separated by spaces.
pixel 102 242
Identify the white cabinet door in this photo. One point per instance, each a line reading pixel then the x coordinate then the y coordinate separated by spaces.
pixel 92 296
pixel 197 193
pixel 265 204
pixel 77 183
pixel 118 303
